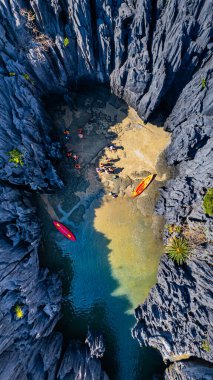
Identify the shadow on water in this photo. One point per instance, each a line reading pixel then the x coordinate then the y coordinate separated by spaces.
pixel 84 267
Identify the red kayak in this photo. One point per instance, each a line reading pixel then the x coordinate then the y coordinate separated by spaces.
pixel 64 230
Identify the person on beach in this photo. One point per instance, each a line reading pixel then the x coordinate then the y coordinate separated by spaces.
pixel 75 157
pixel 113 194
pixel 99 171
pixel 112 148
pixel 111 170
pixel 80 133
pixel 108 159
pixel 66 132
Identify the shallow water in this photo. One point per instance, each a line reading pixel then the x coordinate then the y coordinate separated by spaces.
pixel 133 251
pixel 110 270
pixel 113 264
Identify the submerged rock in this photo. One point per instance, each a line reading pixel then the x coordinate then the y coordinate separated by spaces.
pixel 78 363
pixel 96 344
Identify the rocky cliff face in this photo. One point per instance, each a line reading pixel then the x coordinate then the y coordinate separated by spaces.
pixel 177 316
pixel 189 370
pixel 28 346
pixel 157 55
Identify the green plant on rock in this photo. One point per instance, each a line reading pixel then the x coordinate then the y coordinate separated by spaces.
pixel 206 346
pixel 16 157
pixel 178 250
pixel 12 74
pixel 19 312
pixel 26 76
pixel 208 202
pixel 203 83
pixel 66 41
pixel 173 228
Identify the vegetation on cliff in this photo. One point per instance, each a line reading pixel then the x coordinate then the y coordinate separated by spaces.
pixel 16 157
pixel 178 250
pixel 208 202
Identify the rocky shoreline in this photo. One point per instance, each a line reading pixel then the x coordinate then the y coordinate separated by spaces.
pixel 158 57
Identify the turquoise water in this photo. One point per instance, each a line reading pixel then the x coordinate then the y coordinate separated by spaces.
pixel 103 277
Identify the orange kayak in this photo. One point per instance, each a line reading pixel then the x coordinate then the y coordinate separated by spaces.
pixel 143 185
pixel 64 230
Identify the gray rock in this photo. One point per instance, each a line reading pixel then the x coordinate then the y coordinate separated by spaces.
pixel 77 362
pixel 157 55
pixel 96 344
pixel 189 370
pixel 175 318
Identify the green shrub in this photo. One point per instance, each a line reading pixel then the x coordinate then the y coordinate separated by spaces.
pixel 26 76
pixel 66 41
pixel 178 250
pixel 12 74
pixel 206 346
pixel 208 202
pixel 16 157
pixel 19 312
pixel 173 228
pixel 203 83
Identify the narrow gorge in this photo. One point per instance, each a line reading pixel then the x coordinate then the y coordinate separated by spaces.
pixel 155 57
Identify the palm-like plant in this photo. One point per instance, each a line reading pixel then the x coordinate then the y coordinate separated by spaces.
pixel 178 250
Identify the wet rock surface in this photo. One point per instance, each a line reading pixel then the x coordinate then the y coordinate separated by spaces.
pixel 96 344
pixel 158 57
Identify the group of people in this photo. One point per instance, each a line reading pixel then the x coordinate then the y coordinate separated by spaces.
pixel 70 154
pixel 108 167
pixel 80 133
pixel 67 134
pixel 75 157
pixel 112 148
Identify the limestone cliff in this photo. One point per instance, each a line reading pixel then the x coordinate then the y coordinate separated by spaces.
pixel 157 55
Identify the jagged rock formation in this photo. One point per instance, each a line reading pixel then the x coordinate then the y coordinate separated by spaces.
pixel 189 370
pixel 157 55
pixel 96 344
pixel 28 347
pixel 174 318
pixel 177 316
